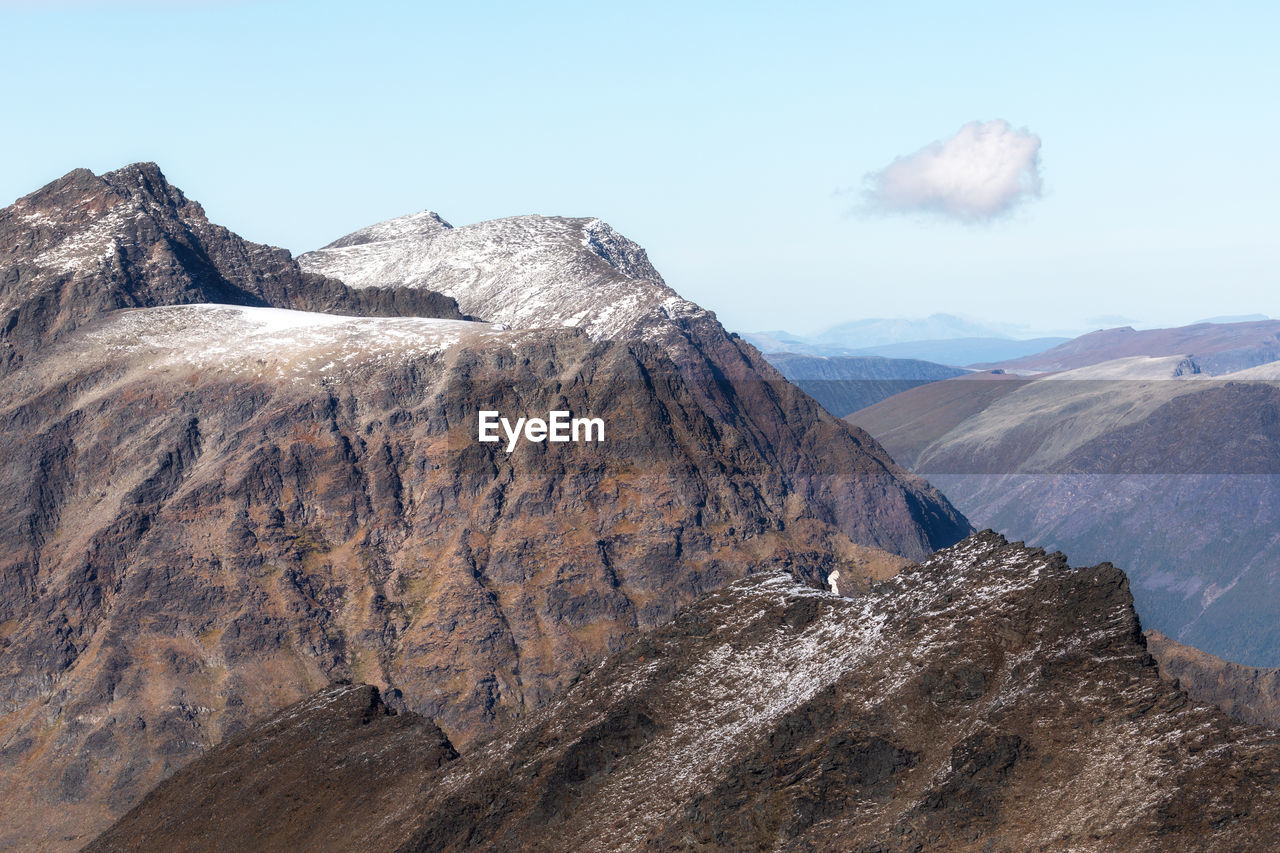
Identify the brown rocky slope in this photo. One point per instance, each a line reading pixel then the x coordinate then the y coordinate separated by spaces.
pixel 989 699
pixel 209 511
pixel 1248 693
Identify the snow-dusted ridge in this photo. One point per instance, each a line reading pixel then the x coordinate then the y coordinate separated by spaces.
pixel 524 271
pixel 277 341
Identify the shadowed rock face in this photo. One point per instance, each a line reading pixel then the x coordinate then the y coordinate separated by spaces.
pixel 990 698
pixel 300 776
pixel 210 511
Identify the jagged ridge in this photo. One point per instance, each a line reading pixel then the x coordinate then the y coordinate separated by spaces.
pixel 86 244
pixel 991 697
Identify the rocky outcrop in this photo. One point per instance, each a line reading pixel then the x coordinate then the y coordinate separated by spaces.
pixel 211 510
pixel 86 244
pixel 990 698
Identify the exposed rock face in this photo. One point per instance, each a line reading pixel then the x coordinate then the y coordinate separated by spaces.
pixel 211 510
pixel 1245 692
pixel 86 244
pixel 990 698
pixel 1173 474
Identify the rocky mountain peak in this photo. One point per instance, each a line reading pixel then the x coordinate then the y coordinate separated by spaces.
pixel 81 196
pixel 625 256
pixel 411 226
pixel 146 184
pixel 523 271
pixel 85 245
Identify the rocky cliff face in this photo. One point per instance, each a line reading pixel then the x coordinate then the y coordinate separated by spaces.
pixel 211 510
pixel 990 698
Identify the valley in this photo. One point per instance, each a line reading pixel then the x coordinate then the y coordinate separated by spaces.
pixel 1166 463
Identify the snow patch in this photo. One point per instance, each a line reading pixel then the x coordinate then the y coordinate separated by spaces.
pixel 277 341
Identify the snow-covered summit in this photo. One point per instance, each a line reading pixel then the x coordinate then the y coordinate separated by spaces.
pixel 423 224
pixel 523 271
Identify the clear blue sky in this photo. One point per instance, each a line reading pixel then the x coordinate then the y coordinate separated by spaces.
pixel 718 135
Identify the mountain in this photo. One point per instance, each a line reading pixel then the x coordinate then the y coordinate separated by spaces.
pixel 1217 347
pixel 298 772
pixel 85 245
pixel 1148 461
pixel 989 698
pixel 845 384
pixel 963 352
pixel 776 341
pixel 524 271
pixel 1234 318
pixel 940 338
pixel 1247 693
pixel 958 352
pixel 861 334
pixel 225 483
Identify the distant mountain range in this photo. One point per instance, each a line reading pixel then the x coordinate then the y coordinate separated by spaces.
pixel 879 331
pixel 941 338
pixel 947 339
pixel 963 352
pixel 1169 470
pixel 1217 347
pixel 1232 318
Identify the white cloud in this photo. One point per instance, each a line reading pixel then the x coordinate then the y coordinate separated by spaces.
pixel 982 172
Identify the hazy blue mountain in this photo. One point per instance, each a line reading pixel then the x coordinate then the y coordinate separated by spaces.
pixel 845 384
pixel 873 332
pixel 1234 318
pixel 939 338
pixel 778 341
pixel 963 352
